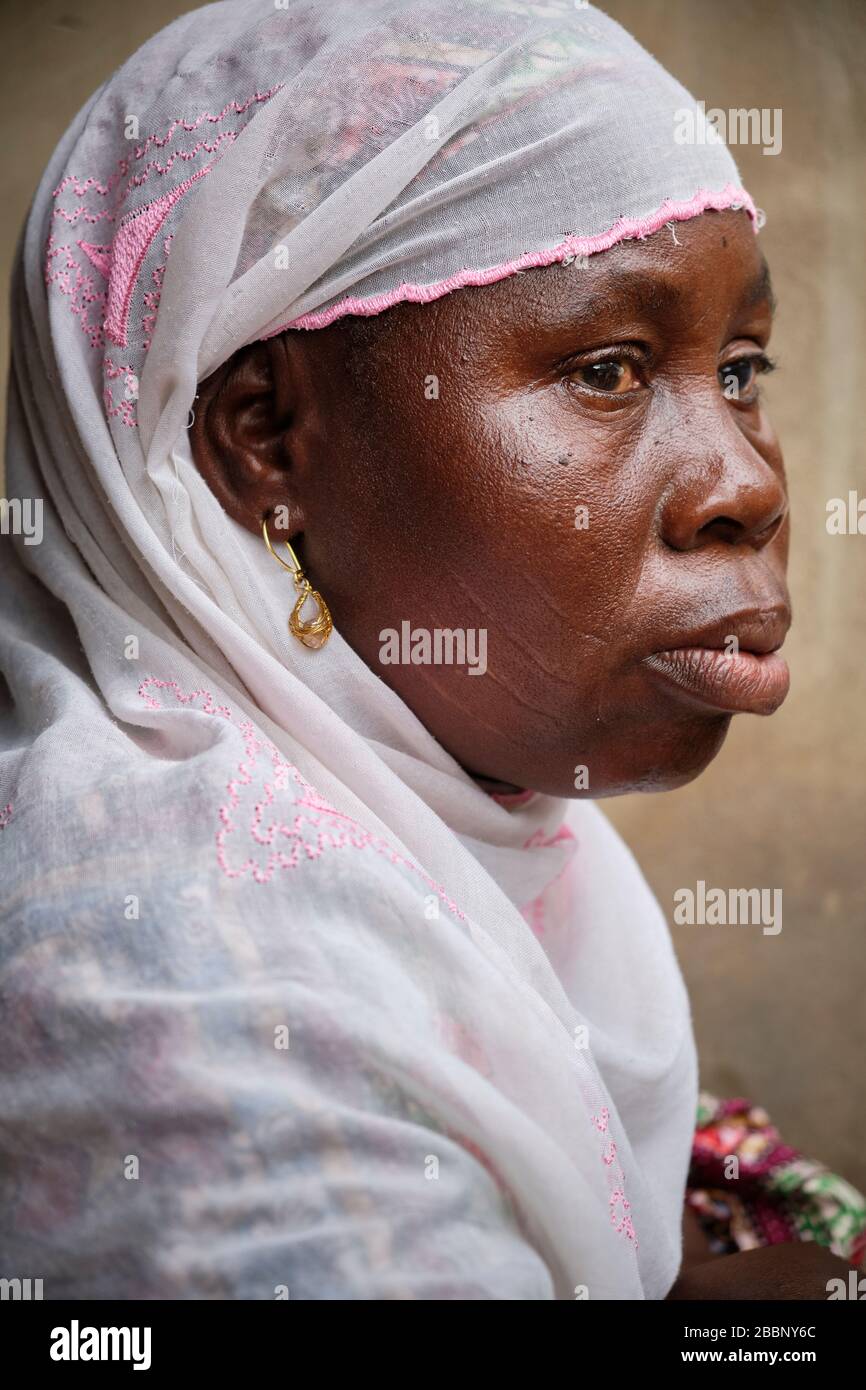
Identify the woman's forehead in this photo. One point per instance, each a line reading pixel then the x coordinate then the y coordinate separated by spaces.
pixel 712 258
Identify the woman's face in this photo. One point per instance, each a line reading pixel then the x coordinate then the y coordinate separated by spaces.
pixel 576 462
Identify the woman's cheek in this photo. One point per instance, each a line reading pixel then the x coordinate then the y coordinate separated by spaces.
pixel 600 524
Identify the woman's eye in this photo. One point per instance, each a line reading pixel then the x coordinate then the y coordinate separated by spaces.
pixel 739 380
pixel 613 377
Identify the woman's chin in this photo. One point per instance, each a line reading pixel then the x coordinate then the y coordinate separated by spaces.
pixel 666 759
pixel 653 759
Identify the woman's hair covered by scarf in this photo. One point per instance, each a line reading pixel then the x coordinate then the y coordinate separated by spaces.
pixel 259 165
pixel 265 943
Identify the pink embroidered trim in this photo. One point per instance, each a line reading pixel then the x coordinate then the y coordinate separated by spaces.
pixel 5 816
pixel 81 189
pixel 211 146
pixel 234 107
pixel 73 217
pixel 624 229
pixel 160 141
pixel 207 708
pixel 618 1203
pixel 333 829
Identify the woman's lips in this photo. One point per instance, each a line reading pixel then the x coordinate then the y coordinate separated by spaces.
pixel 742 682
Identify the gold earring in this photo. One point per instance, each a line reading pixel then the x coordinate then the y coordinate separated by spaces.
pixel 313 632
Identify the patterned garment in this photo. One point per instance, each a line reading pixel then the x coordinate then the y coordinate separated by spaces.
pixel 771 1194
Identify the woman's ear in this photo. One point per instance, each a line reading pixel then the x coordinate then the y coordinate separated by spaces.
pixel 241 437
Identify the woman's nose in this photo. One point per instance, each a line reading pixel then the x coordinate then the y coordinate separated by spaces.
pixel 733 497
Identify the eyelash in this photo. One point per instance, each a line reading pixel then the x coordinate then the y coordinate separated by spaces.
pixel 760 362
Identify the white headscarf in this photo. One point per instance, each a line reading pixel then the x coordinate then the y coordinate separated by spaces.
pixel 290 1002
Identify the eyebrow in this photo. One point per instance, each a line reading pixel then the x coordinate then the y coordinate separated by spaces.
pixel 646 292
pixel 639 290
pixel 761 288
pixel 651 293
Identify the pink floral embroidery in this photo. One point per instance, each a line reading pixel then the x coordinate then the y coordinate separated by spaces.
pixel 234 108
pixel 86 297
pixel 207 708
pixel 151 297
pixel 154 166
pixel 104 307
pixel 124 409
pixel 128 250
pixel 312 826
pixel 86 214
pixel 5 816
pixel 621 1221
pixel 619 1205
pixel 80 189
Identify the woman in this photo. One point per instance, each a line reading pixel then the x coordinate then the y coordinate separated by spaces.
pixel 317 987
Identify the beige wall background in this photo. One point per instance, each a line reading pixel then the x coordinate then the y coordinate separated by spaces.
pixel 779 1018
